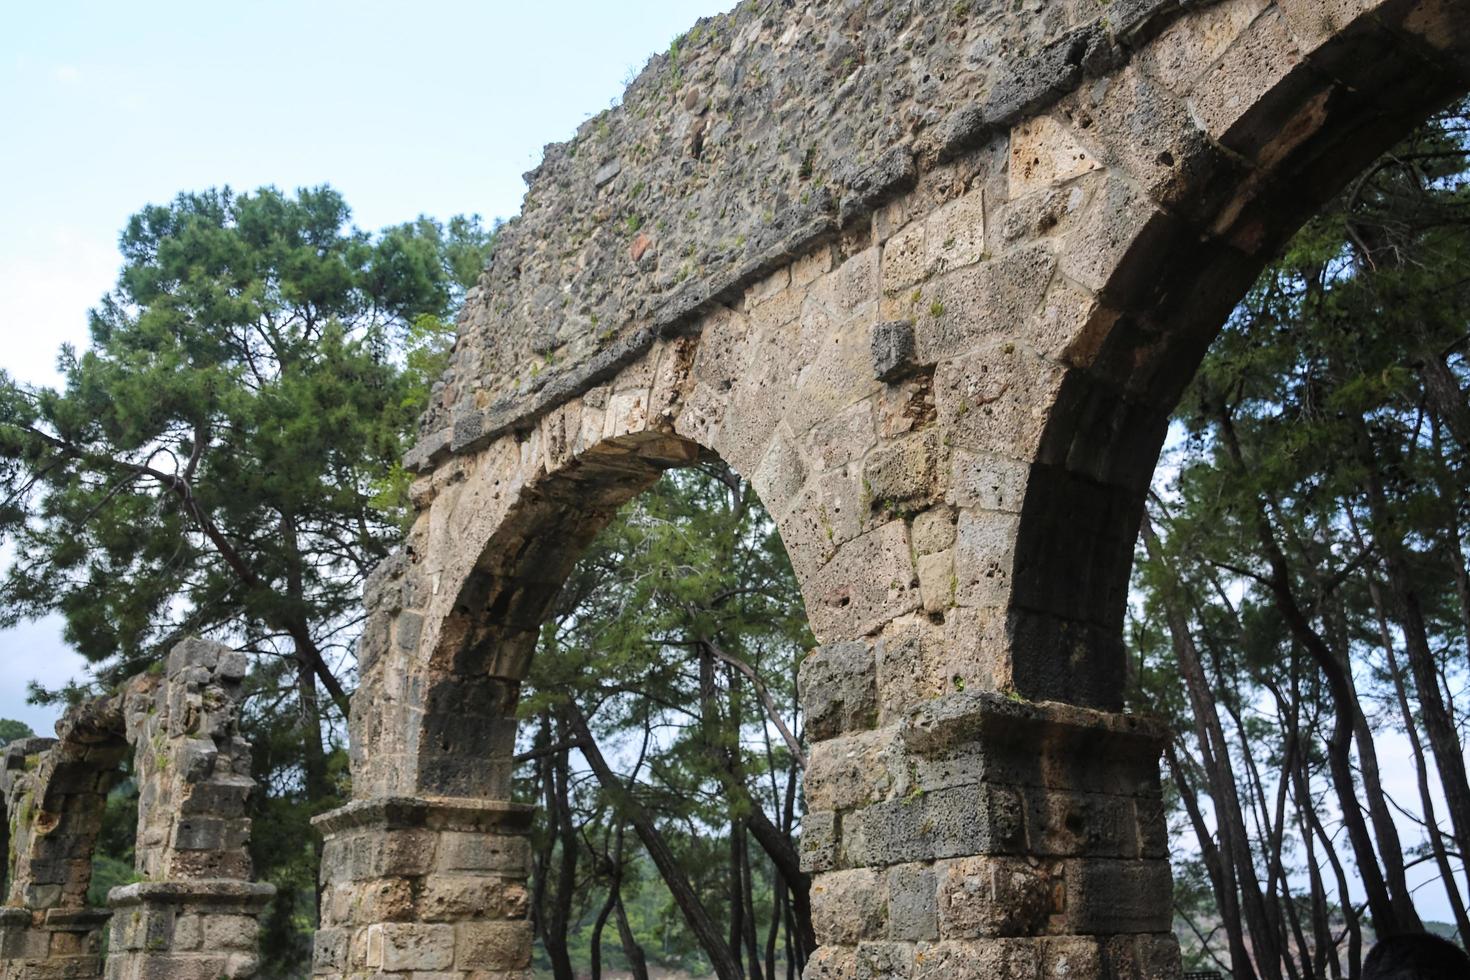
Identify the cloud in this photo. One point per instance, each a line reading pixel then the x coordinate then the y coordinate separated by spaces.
pixel 46 289
pixel 67 74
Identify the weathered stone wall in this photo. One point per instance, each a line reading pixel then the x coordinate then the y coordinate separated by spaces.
pixel 195 912
pixel 759 134
pixel 933 276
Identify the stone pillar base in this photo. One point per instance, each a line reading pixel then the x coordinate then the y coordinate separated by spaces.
pixel 419 887
pixel 54 944
pixel 186 930
pixel 984 836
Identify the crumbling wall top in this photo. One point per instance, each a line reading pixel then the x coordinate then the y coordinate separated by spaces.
pixel 755 136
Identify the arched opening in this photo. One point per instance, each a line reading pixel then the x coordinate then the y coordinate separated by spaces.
pixel 644 595
pixel 661 708
pixel 1297 138
pixel 1367 79
pixel 1299 585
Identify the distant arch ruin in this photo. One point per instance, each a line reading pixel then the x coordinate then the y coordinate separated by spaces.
pixel 194 911
pixel 934 274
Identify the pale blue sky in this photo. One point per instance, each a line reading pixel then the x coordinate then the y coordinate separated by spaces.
pixel 435 107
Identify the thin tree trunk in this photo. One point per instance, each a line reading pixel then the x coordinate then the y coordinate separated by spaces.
pixel 706 933
pixel 632 951
pixel 559 920
pixel 1219 770
pixel 1387 914
pixel 1421 768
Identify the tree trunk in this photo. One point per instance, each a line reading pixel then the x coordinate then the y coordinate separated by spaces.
pixel 1421 768
pixel 706 933
pixel 1387 914
pixel 558 921
pixel 1444 740
pixel 1219 770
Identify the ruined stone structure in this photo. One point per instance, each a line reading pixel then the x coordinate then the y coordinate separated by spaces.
pixel 194 912
pixel 932 274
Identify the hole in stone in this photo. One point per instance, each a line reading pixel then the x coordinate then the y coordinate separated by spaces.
pixel 1166 159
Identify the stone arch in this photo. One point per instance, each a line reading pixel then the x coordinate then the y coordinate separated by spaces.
pixel 1272 109
pixel 195 909
pixel 933 275
pixel 65 792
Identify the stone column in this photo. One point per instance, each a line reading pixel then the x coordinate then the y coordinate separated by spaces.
pixel 980 835
pixel 51 944
pixel 419 887
pixel 196 913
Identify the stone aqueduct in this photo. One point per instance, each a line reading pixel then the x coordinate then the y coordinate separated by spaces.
pixel 933 274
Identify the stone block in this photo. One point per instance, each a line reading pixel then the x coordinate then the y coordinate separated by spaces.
pixel 1118 896
pixel 937 583
pixel 929 824
pixel 493 945
pixel 901 476
pixel 838 684
pixel 851 770
pixel 996 896
pixel 818 842
pixel 848 906
pixel 1045 153
pixel 397 947
pixel 893 350
pixel 487 853
pixel 869 582
pixel 913 903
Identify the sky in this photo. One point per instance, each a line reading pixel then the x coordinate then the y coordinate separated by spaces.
pixel 436 107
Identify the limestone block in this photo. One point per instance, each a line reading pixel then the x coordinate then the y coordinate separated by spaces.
pixel 838 685
pixel 954 821
pixel 933 530
pixel 1187 49
pixel 851 770
pixel 1142 957
pixel 396 947
pixel 493 945
pixel 962 310
pixel 832 963
pixel 1260 58
pixel 780 475
pixel 913 903
pixel 848 906
pixel 995 896
pixel 818 842
pixel 983 557
pixel 983 959
pixel 905 259
pixel 869 581
pixel 893 350
pixel 937 582
pixel 901 476
pixel 996 399
pixel 1117 896
pixel 1045 153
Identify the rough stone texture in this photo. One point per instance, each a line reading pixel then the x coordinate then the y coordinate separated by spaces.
pixel 195 913
pixel 1062 202
pixel 425 885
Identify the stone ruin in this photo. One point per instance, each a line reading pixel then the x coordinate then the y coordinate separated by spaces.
pixel 933 274
pixel 194 913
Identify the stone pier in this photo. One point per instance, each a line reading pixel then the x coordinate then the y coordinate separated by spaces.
pixel 418 887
